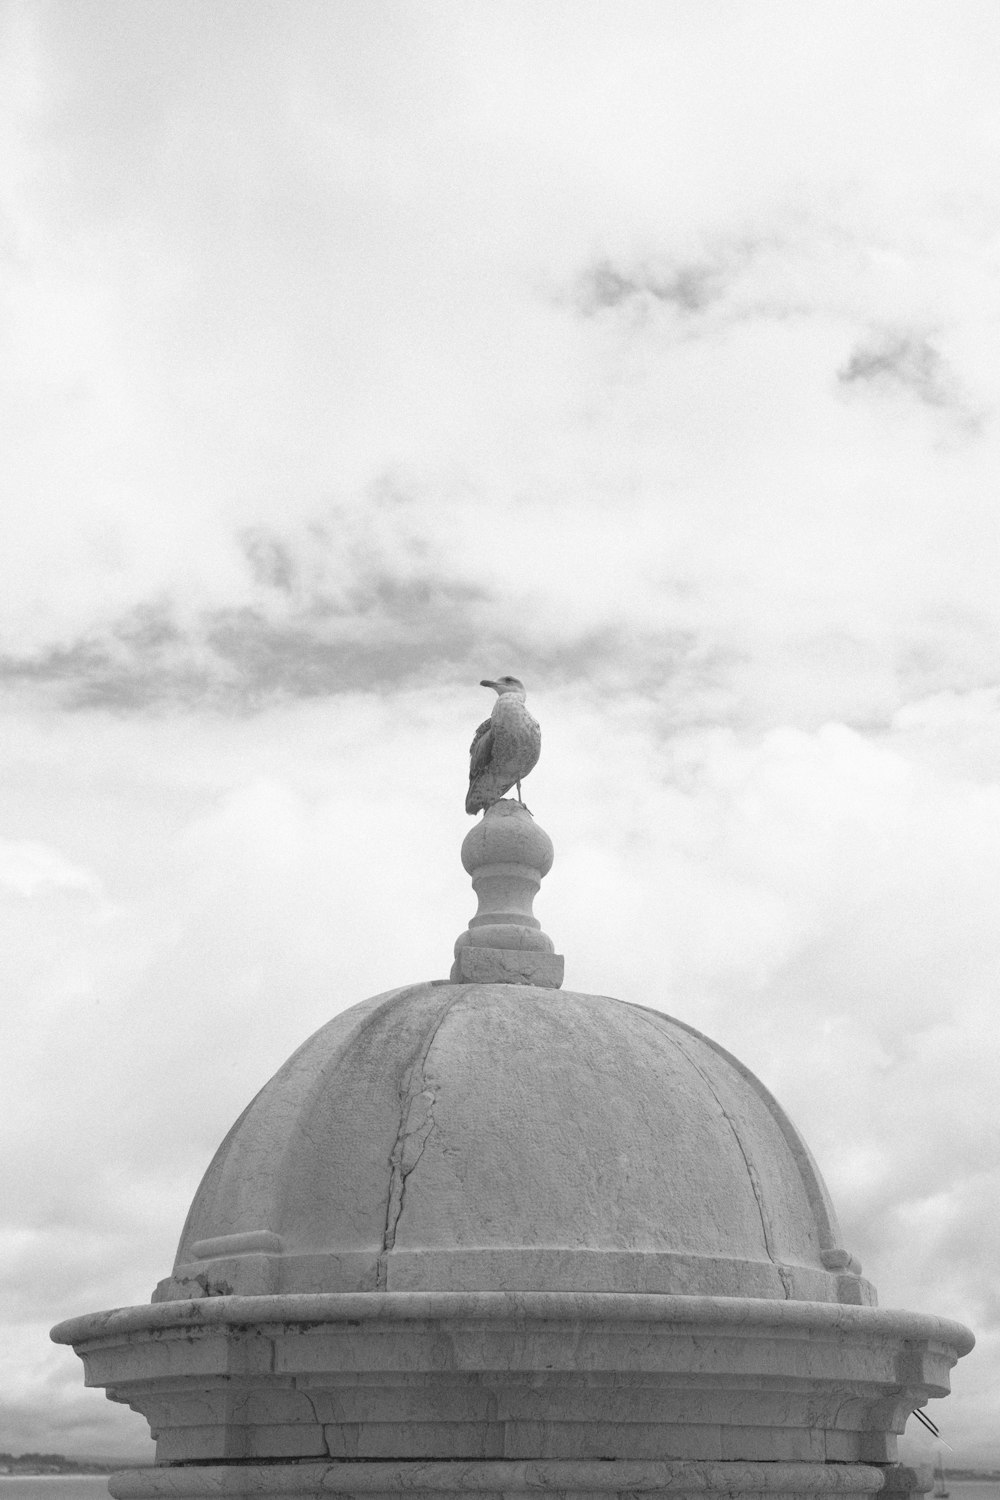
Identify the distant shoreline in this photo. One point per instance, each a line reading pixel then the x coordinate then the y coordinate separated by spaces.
pixel 30 1471
pixel 53 1467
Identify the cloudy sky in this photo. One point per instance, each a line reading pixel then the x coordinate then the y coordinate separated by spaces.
pixel 352 352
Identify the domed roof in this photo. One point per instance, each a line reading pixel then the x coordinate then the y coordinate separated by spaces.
pixel 503 1137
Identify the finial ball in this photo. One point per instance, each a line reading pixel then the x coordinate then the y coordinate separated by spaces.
pixel 507 834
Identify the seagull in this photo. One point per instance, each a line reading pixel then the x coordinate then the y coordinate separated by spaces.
pixel 505 748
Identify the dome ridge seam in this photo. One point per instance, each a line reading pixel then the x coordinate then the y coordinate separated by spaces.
pixel 752 1173
pixel 827 1224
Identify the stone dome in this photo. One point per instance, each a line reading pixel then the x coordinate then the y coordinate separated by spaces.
pixel 483 1237
pixel 459 1137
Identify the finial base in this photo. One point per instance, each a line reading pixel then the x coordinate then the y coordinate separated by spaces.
pixel 508 966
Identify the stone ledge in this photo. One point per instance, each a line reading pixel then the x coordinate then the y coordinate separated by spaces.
pixel 741 1314
pixel 397 1377
pixel 567 1479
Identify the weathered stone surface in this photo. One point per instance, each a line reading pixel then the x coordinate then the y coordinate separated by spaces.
pixel 506 853
pixel 507 834
pixel 531 1376
pixel 510 966
pixel 464 1137
pixel 518 1480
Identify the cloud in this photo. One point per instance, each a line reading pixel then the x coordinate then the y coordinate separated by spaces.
pixel 271 561
pixel 329 609
pixel 29 869
pixel 686 288
pixel 395 635
pixel 372 599
pixel 751 271
pixel 906 360
pixel 385 630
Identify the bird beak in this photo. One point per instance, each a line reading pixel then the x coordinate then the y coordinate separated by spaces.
pixel 486 683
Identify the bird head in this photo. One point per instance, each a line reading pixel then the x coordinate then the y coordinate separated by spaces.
pixel 505 685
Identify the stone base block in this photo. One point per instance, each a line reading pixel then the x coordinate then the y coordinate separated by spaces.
pixel 508 966
pixel 566 1479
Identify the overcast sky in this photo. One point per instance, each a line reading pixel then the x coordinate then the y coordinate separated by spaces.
pixel 352 352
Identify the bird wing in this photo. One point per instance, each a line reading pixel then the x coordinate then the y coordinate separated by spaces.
pixel 481 749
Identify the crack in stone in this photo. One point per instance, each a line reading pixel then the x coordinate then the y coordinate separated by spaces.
pixel 786 1278
pixel 406 1153
pixel 310 1401
pixel 416 1121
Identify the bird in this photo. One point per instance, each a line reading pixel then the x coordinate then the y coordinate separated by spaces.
pixel 505 748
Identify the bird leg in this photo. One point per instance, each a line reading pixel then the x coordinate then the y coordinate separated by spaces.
pixel 519 793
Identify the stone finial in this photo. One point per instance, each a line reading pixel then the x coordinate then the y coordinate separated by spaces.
pixel 506 854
